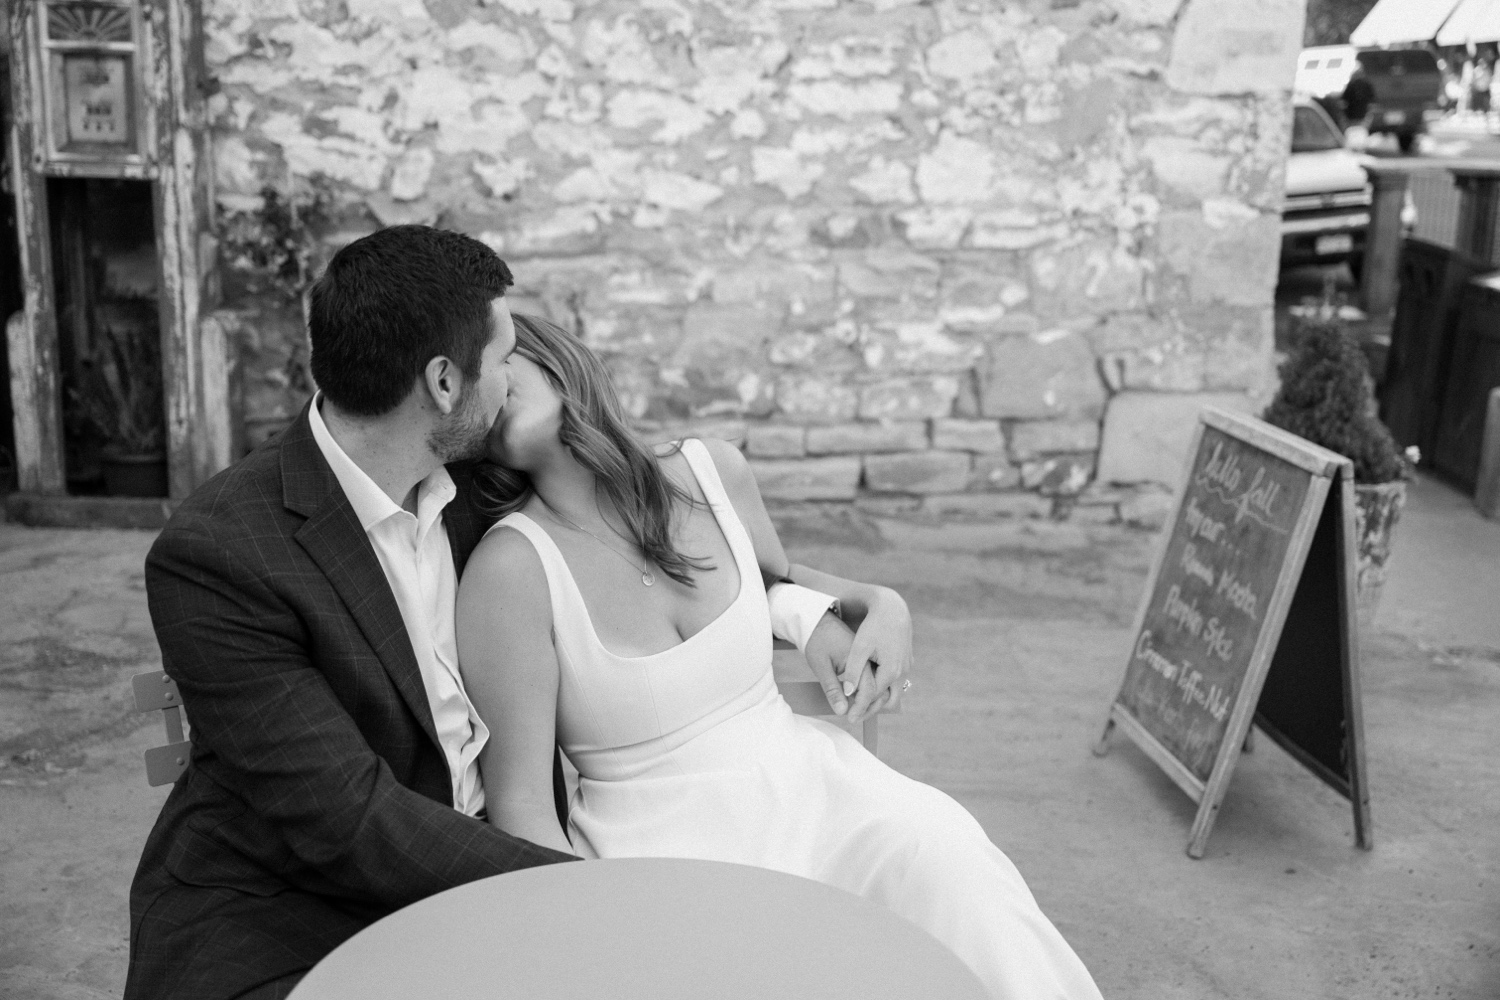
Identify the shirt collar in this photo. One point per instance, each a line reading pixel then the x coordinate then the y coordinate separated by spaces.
pixel 371 504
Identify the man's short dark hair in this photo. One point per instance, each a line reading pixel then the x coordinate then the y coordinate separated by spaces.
pixel 392 301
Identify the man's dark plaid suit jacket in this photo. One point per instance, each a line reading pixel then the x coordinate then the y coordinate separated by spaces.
pixel 317 799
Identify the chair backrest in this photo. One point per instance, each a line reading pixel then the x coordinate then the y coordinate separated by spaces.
pixel 156 691
pixel 807 698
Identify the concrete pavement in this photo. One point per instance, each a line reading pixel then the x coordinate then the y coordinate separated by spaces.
pixel 1021 634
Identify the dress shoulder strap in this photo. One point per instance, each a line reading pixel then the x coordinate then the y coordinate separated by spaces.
pixel 532 530
pixel 707 474
pixel 560 584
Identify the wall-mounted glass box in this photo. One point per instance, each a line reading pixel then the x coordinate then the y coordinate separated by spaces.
pixel 92 95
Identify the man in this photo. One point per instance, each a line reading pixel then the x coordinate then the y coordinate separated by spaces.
pixel 1479 86
pixel 1358 95
pixel 303 601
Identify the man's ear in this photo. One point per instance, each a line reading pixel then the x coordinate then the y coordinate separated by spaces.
pixel 444 383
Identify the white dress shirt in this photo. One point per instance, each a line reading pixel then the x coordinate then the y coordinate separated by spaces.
pixel 796 611
pixel 414 553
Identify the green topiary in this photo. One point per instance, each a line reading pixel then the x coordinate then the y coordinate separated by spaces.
pixel 1327 397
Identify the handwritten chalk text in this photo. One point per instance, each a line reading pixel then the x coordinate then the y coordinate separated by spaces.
pixel 1193 566
pixel 1200 525
pixel 1222 475
pixel 1216 638
pixel 1184 613
pixel 1189 682
pixel 1236 593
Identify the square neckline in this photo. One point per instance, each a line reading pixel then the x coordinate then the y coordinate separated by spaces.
pixel 588 618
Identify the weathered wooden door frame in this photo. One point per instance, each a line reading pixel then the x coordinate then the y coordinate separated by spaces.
pixel 179 166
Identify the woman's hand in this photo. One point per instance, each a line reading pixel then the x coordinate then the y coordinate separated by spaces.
pixel 883 641
pixel 880 656
pixel 827 652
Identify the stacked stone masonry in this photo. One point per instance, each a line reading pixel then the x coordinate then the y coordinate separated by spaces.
pixel 961 258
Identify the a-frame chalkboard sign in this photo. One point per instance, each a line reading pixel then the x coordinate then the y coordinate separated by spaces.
pixel 1249 614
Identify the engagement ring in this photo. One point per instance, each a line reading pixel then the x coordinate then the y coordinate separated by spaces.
pixel 906 684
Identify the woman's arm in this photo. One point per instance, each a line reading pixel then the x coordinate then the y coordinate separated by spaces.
pixel 510 671
pixel 857 601
pixel 883 636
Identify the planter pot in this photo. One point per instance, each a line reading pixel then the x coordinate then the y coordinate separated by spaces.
pixel 134 475
pixel 1377 508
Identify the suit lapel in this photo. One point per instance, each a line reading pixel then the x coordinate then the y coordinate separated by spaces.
pixel 334 539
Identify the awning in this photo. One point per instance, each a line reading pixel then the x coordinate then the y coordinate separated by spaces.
pixel 1395 22
pixel 1471 21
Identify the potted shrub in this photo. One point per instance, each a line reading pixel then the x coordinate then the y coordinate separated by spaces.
pixel 1328 397
pixel 122 399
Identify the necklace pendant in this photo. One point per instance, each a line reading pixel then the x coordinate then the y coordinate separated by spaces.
pixel 648 578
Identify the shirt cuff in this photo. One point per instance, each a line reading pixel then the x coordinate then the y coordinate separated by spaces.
pixel 796 611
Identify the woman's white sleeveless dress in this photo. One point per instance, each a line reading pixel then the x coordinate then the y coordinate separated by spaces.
pixel 692 753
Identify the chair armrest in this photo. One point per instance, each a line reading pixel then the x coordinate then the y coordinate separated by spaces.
pixel 155 691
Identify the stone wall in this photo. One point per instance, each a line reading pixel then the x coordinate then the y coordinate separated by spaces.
pixel 961 258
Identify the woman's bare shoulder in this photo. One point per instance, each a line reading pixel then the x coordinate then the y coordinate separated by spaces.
pixel 734 471
pixel 733 468
pixel 506 565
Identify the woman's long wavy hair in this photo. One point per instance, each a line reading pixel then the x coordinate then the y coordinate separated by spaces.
pixel 596 431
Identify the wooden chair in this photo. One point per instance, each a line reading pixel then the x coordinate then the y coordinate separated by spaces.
pixel 156 691
pixel 806 697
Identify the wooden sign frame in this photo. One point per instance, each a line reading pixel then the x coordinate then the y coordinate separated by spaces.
pixel 1331 483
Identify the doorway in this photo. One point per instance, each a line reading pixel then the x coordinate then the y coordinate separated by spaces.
pixel 11 300
pixel 104 267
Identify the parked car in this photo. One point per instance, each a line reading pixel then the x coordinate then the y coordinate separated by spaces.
pixel 1408 84
pixel 1325 213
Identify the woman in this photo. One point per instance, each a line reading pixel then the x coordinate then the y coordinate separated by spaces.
pixel 616 609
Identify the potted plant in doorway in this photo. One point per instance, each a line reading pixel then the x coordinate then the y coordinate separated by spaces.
pixel 1327 396
pixel 122 398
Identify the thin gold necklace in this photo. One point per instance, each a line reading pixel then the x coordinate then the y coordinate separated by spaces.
pixel 647 577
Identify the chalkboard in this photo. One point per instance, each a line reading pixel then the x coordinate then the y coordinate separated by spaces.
pixel 1249 612
pixel 1307 706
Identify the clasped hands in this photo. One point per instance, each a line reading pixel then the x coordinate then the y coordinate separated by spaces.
pixel 866 665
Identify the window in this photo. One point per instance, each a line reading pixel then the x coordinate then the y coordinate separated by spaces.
pixel 1311 132
pixel 1393 62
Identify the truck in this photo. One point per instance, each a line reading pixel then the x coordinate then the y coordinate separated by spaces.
pixel 1407 84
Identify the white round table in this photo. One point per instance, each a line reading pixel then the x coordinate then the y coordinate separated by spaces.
pixel 657 928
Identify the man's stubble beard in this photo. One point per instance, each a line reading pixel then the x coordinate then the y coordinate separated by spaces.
pixel 463 433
